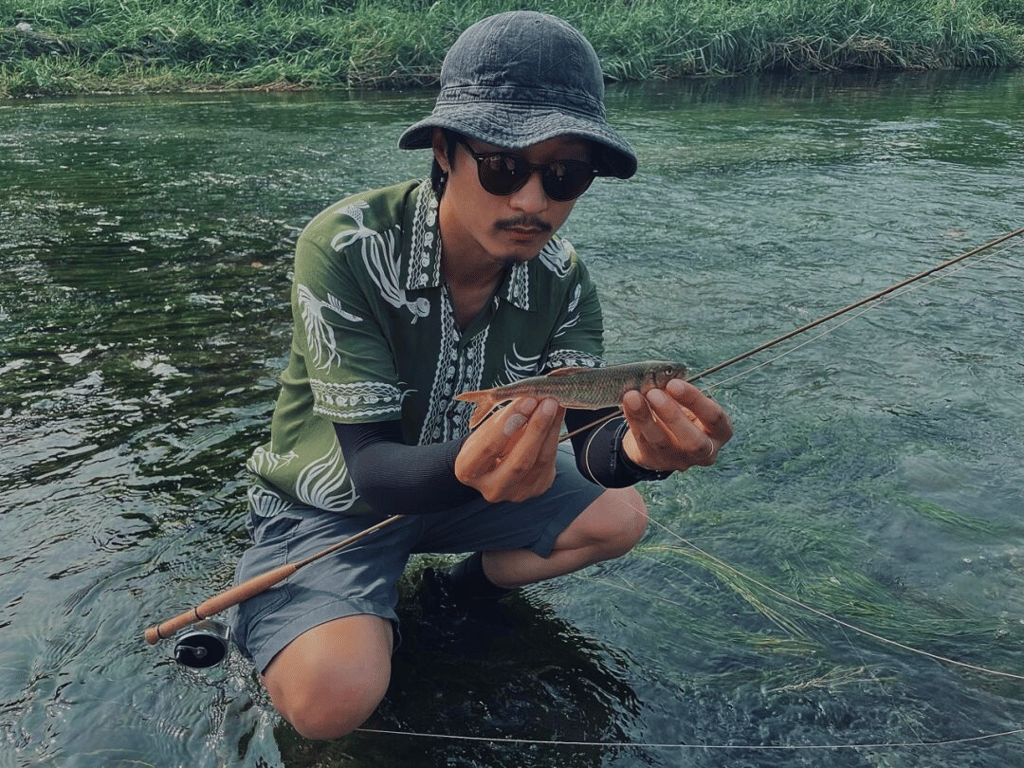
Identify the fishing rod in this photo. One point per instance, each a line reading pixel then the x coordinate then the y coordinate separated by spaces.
pixel 856 304
pixel 824 319
pixel 205 643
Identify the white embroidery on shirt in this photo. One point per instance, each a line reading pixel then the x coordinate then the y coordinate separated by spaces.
pixel 555 255
pixel 319 333
pixel 358 400
pixel 573 312
pixel 447 418
pixel 519 366
pixel 381 257
pixel 383 261
pixel 519 286
pixel 424 266
pixel 573 358
pixel 266 503
pixel 324 482
pixel 263 462
pixel 355 212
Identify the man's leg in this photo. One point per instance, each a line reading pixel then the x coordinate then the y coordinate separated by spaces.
pixel 608 528
pixel 323 639
pixel 330 679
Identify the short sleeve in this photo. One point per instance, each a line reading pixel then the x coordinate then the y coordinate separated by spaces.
pixel 348 356
pixel 578 339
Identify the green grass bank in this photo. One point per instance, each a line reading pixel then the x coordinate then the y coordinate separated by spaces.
pixel 74 46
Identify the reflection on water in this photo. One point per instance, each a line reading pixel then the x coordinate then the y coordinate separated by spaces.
pixel 876 473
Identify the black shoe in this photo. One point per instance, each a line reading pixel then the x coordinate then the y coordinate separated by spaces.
pixel 435 592
pixel 460 623
pixel 463 583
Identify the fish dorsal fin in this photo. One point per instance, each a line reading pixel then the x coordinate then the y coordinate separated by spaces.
pixel 569 371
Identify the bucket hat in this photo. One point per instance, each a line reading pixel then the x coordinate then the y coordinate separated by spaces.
pixel 519 78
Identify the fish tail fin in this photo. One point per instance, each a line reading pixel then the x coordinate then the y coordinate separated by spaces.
pixel 485 403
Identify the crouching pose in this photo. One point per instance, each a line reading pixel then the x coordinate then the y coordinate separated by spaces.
pixel 404 298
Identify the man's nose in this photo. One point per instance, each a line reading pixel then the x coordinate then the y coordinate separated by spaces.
pixel 531 198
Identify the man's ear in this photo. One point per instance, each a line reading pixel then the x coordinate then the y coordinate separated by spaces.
pixel 440 146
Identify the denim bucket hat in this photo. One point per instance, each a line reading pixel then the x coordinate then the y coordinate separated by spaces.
pixel 519 78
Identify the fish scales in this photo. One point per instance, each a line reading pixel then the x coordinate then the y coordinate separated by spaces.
pixel 585 388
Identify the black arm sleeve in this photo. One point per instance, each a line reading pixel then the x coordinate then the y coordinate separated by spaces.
pixel 395 478
pixel 599 454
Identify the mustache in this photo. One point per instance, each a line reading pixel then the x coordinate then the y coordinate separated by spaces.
pixel 524 222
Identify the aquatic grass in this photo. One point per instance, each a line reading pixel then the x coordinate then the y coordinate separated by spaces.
pixel 851 609
pixel 736 582
pixel 830 679
pixel 949 518
pixel 142 44
pixel 816 565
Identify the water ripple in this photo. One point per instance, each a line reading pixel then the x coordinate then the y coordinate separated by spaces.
pixel 875 473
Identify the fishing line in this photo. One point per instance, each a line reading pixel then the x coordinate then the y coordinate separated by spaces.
pixel 879 302
pixel 919 744
pixel 829 617
pixel 874 300
pixel 850 307
pixel 719 747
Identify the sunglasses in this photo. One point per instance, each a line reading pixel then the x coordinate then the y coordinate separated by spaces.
pixel 502 173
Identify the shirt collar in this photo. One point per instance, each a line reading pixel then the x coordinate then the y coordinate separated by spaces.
pixel 422 265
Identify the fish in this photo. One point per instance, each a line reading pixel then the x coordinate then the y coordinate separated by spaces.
pixel 585 388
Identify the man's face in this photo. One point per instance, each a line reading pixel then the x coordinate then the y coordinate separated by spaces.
pixel 500 229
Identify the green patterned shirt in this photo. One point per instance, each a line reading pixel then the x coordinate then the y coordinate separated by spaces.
pixel 375 337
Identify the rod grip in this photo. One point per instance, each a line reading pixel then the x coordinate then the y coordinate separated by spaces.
pixel 220 602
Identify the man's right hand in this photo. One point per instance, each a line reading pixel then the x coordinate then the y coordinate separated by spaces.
pixel 511 455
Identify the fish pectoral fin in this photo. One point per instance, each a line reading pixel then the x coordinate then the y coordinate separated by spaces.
pixel 475 396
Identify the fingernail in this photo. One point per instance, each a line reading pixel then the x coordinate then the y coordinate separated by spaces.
pixel 527 405
pixel 514 423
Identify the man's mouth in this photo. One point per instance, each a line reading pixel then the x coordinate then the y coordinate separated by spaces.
pixel 524 227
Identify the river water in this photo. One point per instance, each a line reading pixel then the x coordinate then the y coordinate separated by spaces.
pixel 875 477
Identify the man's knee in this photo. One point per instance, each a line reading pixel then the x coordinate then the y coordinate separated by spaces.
pixel 328 681
pixel 618 521
pixel 633 519
pixel 323 711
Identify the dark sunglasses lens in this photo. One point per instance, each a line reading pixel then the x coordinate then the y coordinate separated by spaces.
pixel 501 174
pixel 567 180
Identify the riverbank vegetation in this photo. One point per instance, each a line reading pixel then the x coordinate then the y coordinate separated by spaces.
pixel 69 46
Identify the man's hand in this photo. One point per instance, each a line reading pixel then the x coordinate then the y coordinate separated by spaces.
pixel 674 428
pixel 511 455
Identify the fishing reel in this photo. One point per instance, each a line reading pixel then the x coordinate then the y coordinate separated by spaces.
pixel 203 644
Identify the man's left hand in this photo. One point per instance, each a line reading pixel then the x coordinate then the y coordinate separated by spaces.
pixel 674 428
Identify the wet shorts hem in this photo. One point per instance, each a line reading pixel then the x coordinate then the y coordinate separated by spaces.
pixel 546 542
pixel 297 625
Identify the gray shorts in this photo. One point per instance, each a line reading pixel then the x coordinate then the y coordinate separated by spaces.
pixel 363 578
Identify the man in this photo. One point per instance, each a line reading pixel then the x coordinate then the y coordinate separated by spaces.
pixel 405 297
